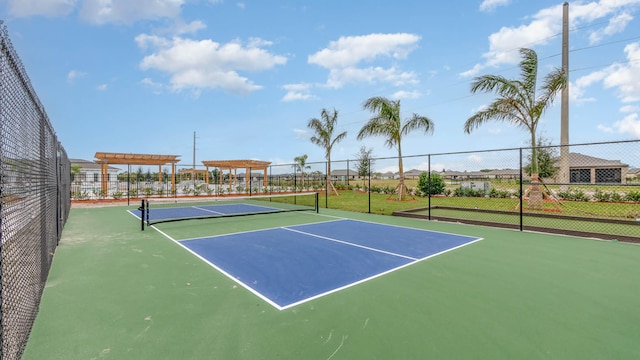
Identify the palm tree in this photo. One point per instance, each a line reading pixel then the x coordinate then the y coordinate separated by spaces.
pixel 323 137
pixel 517 103
pixel 301 165
pixel 386 122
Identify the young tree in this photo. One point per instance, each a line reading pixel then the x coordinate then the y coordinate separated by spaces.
pixel 365 162
pixel 431 185
pixel 518 103
pixel 324 129
pixel 386 122
pixel 546 158
pixel 300 165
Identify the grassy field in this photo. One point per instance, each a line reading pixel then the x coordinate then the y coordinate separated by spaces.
pixel 557 216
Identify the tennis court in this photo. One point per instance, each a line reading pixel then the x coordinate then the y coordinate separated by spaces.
pixel 330 285
pixel 313 259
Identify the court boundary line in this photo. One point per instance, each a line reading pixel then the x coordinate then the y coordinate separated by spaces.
pixel 237 281
pixel 376 275
pixel 250 231
pixel 317 296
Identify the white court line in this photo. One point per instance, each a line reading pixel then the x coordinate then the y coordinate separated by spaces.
pixel 203 209
pixel 351 244
pixel 281 308
pixel 237 281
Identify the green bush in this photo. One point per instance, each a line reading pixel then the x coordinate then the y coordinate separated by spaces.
pixel 468 192
pixel 633 196
pixel 573 195
pixel 433 185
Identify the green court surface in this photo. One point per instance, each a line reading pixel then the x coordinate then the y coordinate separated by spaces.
pixel 115 292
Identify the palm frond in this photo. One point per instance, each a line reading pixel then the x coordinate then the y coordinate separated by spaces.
pixel 417 122
pixel 529 69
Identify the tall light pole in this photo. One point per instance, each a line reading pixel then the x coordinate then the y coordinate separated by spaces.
pixel 564 109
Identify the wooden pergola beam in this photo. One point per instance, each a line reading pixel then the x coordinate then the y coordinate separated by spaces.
pixel 105 158
pixel 248 165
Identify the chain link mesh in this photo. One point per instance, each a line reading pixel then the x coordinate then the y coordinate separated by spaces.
pixel 35 200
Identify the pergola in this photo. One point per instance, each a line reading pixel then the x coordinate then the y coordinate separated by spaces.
pixel 105 159
pixel 248 165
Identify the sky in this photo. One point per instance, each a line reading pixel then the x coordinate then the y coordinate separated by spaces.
pixel 245 77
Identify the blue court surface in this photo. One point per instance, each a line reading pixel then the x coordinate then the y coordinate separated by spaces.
pixel 287 266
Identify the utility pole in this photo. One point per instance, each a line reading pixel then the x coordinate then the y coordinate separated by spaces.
pixel 193 174
pixel 564 109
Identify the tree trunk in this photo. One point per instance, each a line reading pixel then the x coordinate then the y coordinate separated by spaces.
pixel 402 191
pixel 535 193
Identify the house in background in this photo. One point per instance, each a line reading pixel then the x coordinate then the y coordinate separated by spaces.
pixel 592 170
pixel 344 175
pixel 89 172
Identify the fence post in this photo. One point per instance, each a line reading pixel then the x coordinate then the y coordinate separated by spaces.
pixel 369 190
pixel 521 193
pixel 429 187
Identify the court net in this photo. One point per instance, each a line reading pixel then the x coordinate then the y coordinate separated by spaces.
pixel 155 211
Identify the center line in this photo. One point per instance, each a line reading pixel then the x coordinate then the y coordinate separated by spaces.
pixel 351 244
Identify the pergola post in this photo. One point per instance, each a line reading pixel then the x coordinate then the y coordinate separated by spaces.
pixel 266 183
pixel 103 178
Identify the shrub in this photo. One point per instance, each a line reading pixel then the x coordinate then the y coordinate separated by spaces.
pixel 573 195
pixel 502 194
pixel 633 196
pixel 433 185
pixel 468 192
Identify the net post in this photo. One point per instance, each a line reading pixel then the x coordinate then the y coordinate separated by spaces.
pixel 317 203
pixel 147 212
pixel 142 212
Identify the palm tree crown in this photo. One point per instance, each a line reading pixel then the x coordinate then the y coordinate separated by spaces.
pixel 324 128
pixel 386 122
pixel 517 102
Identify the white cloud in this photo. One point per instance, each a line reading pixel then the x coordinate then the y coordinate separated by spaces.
pixel 545 25
pixel 127 11
pixel 102 87
pixel 75 74
pixel 626 77
pixel 51 8
pixel 475 158
pixel 617 24
pixel 296 92
pixel 199 64
pixel 629 125
pixel 188 28
pixel 490 5
pixel 342 76
pixel 604 128
pixel 301 133
pixel 344 57
pixel 630 108
pixel 403 94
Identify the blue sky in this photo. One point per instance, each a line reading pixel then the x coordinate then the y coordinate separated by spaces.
pixel 142 76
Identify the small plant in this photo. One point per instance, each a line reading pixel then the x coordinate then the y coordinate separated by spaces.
pixel 117 195
pixel 160 192
pixel 633 196
pixel 573 195
pixel 431 185
pixel 501 194
pixel 468 192
pixel 148 191
pixel 80 195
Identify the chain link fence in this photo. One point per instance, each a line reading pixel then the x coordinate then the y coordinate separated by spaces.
pixel 35 200
pixel 583 189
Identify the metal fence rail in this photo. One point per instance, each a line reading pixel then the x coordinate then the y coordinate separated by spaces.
pixel 35 200
pixel 595 193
